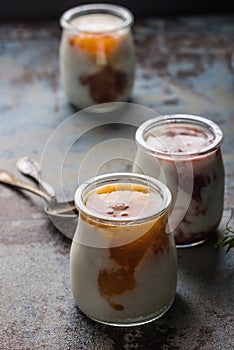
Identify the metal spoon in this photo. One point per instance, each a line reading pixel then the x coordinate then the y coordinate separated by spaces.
pixel 30 167
pixel 61 209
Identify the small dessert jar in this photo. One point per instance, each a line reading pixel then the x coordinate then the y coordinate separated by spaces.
pixel 183 151
pixel 123 260
pixel 97 55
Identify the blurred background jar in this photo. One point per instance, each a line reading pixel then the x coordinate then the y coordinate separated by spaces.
pixel 97 56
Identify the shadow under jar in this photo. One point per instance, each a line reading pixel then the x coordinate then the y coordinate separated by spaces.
pixel 123 261
pixel 183 151
pixel 97 55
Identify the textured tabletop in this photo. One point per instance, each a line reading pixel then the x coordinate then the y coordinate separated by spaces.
pixel 184 65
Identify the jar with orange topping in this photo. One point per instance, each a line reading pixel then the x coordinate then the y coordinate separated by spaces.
pixel 97 57
pixel 123 257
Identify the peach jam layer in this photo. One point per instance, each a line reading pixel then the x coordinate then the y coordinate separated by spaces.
pixel 179 138
pixel 127 200
pixel 89 39
pixel 124 200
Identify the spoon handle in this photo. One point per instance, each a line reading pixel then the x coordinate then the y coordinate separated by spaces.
pixel 30 167
pixel 9 179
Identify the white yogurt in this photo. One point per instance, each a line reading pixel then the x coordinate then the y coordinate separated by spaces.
pixel 97 57
pixel 96 22
pixel 123 267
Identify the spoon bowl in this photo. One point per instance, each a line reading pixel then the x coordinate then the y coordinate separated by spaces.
pixel 54 208
pixel 30 167
pixel 63 215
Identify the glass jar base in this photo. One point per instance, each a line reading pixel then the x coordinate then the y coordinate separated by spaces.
pixel 190 245
pixel 136 321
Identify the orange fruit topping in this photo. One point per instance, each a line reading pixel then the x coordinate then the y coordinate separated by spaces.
pixel 95 44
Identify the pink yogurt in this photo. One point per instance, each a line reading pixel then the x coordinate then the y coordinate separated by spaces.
pixel 184 152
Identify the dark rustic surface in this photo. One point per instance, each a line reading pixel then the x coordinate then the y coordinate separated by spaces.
pixel 183 65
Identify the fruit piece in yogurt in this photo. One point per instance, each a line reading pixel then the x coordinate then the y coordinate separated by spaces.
pixel 95 45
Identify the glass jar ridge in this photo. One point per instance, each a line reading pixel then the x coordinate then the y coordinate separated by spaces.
pixel 190 120
pixel 121 12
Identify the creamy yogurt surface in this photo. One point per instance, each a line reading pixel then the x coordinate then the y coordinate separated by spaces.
pixel 179 138
pixel 96 22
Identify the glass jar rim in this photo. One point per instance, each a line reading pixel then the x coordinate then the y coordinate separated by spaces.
pixel 80 10
pixel 121 178
pixel 176 119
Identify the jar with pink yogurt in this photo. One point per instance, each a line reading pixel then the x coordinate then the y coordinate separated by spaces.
pixel 184 151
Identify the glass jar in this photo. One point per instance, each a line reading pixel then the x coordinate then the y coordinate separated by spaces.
pixel 97 56
pixel 123 260
pixel 183 151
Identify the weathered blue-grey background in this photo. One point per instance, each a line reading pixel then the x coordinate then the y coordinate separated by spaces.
pixel 183 65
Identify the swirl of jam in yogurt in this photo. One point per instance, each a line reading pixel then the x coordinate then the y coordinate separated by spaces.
pixel 184 152
pixel 130 201
pixel 180 138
